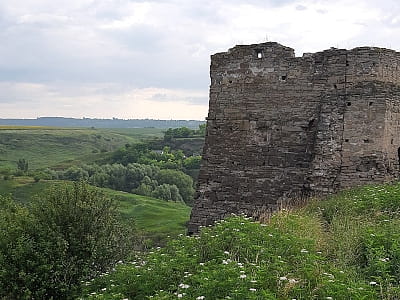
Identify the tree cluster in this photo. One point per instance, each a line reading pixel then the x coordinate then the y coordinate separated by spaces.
pixel 147 180
pixel 184 132
pixel 165 159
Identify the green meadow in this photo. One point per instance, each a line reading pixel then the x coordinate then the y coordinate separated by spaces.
pixel 156 219
pixel 62 147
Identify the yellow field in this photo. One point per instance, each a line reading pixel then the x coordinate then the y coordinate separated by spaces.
pixel 17 127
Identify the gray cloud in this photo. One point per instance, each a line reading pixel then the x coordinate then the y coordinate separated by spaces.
pixel 104 49
pixel 301 7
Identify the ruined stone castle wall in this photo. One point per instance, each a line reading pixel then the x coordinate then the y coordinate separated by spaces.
pixel 281 126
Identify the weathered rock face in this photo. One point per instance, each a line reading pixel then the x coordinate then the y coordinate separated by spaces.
pixel 280 126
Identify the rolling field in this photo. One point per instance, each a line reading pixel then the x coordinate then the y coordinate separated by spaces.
pixel 155 218
pixel 62 147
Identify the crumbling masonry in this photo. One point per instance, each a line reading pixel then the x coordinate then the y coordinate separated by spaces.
pixel 281 127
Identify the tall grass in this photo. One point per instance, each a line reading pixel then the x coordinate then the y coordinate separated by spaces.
pixel 345 247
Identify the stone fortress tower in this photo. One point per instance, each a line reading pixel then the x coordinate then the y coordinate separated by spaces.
pixel 281 127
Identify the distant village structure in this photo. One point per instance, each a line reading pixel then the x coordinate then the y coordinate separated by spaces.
pixel 281 127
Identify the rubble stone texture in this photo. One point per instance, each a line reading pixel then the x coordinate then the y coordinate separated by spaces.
pixel 282 127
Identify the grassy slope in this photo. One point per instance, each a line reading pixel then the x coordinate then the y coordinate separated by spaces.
pixel 156 218
pixel 344 247
pixel 62 147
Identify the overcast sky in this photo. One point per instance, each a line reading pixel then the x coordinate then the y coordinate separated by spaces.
pixel 150 59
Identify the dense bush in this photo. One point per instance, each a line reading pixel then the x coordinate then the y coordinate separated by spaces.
pixel 165 159
pixel 22 165
pixel 66 236
pixel 183 182
pixel 167 192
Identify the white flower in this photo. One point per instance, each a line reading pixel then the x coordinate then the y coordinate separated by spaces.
pixel 243 276
pixel 329 298
pixel 180 295
pixel 282 278
pixel 372 283
pixel 291 280
pixel 226 252
pixel 386 259
pixel 252 290
pixel 184 286
pixel 303 251
pixel 200 298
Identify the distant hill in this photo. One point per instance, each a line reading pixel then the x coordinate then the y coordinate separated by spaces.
pixel 102 123
pixel 60 147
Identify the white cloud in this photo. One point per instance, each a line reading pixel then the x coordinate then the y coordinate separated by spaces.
pixel 100 100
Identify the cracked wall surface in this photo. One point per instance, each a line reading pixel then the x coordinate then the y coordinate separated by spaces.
pixel 282 127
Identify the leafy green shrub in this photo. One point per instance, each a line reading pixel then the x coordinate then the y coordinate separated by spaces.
pixel 69 235
pixel 75 173
pixel 183 182
pixel 192 162
pixel 167 192
pixel 22 165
